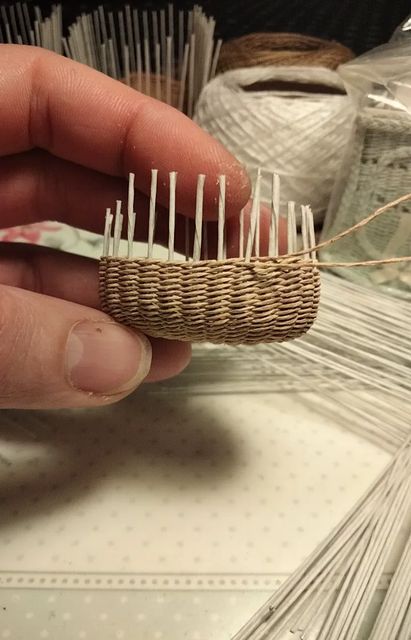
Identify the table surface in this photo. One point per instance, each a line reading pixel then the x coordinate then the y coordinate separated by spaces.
pixel 175 513
pixel 171 515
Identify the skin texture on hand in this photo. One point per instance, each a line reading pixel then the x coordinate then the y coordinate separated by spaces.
pixel 70 137
pixel 100 130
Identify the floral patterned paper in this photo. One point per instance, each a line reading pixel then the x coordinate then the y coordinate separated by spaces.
pixel 56 236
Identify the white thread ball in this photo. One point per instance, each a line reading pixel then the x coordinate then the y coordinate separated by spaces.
pixel 299 134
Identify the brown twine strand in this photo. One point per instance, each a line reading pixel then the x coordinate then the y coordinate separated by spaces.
pixel 282 49
pixel 366 263
pixel 359 225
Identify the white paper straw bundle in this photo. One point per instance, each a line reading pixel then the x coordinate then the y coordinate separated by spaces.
pixel 163 53
pixel 329 596
pixel 355 365
pixel 166 55
pixel 20 23
pixel 365 336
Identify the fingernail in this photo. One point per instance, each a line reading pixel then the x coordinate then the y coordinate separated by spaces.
pixel 106 358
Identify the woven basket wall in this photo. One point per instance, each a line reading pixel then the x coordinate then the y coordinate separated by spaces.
pixel 231 302
pixel 377 170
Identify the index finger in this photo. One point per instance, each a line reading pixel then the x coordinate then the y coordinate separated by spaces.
pixel 81 115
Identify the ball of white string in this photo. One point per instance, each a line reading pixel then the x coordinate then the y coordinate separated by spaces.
pixel 285 119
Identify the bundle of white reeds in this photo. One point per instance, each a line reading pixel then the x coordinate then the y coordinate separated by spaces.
pixel 20 23
pixel 160 53
pixel 165 54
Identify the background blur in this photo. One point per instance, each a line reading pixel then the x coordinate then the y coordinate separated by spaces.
pixel 359 24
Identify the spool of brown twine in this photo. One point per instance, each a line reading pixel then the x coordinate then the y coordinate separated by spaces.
pixel 283 49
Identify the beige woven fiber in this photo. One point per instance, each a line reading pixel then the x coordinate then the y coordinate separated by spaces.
pixel 231 301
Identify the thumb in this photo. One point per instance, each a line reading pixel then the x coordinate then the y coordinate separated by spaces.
pixel 56 354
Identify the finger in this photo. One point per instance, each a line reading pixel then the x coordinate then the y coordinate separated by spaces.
pixel 234 232
pixel 83 116
pixel 184 235
pixel 75 279
pixel 58 354
pixel 50 272
pixel 37 186
pixel 169 358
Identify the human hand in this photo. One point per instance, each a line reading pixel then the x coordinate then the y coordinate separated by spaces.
pixel 70 137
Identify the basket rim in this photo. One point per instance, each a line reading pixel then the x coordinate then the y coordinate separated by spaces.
pixel 305 261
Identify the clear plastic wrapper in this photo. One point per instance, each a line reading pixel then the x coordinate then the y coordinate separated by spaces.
pixel 377 165
pixel 403 32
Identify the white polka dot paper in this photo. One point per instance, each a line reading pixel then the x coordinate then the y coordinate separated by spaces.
pixel 151 515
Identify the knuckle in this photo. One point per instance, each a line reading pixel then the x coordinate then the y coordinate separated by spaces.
pixel 40 123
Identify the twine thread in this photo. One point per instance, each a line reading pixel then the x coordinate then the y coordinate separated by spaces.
pixel 356 227
pixel 285 49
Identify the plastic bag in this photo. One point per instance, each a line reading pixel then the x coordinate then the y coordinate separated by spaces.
pixel 377 165
pixel 403 32
pixel 381 78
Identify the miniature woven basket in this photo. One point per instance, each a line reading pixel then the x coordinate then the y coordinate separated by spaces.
pixel 231 301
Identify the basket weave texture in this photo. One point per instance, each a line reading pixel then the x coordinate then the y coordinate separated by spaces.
pixel 231 301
